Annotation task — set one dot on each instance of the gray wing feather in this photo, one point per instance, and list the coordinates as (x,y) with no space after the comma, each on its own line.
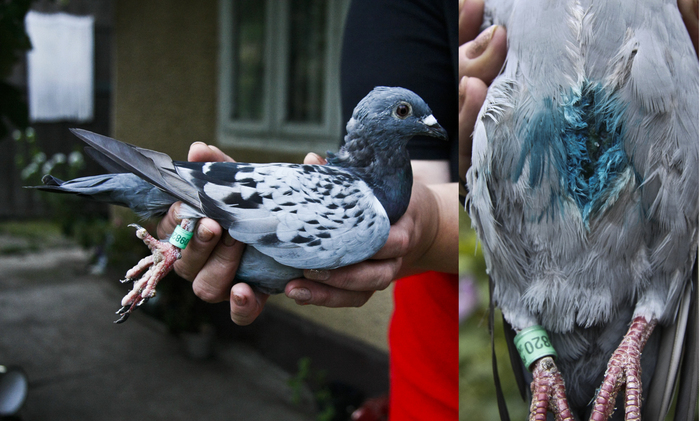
(673,343)
(154,167)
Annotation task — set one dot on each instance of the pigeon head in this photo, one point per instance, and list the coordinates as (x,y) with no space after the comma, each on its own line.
(375,145)
(391,115)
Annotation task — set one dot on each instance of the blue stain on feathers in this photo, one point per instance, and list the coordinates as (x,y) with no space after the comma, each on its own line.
(582,139)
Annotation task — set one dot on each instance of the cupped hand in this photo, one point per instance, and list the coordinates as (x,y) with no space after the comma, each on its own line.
(480,60)
(211,258)
(409,240)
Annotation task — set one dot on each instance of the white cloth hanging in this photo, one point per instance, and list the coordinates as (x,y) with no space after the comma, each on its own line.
(60,66)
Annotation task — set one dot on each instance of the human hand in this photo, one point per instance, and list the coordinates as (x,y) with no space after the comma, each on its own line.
(480,59)
(211,259)
(689,12)
(410,248)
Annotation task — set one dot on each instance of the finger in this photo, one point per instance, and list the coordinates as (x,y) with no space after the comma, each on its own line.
(471,14)
(689,11)
(314,159)
(246,304)
(213,282)
(167,224)
(484,56)
(201,152)
(308,292)
(370,275)
(195,255)
(472,93)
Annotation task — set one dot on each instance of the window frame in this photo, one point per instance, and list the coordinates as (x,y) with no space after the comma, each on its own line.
(272,132)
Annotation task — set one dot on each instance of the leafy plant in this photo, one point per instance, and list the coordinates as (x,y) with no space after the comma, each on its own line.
(13,43)
(316,380)
(32,162)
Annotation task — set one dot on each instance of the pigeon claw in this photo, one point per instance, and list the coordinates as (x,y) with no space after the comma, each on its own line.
(548,392)
(124,316)
(624,370)
(147,272)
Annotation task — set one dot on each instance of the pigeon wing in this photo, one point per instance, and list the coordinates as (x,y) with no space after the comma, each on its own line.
(303,216)
(154,167)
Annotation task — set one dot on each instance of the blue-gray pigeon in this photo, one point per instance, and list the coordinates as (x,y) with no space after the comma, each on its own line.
(584,193)
(291,216)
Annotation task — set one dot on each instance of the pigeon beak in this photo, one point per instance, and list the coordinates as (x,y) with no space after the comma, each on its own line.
(433,128)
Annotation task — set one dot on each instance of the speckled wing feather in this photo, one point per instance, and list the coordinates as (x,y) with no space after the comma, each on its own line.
(303,216)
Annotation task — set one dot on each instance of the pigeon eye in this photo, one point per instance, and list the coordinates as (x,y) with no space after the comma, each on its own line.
(402,110)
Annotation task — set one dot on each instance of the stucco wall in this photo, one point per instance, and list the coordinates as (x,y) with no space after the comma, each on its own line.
(165,73)
(165,96)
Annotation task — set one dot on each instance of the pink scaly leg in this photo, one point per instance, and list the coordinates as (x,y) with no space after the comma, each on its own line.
(624,370)
(154,268)
(548,392)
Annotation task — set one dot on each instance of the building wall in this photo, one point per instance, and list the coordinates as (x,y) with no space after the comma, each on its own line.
(165,74)
(165,96)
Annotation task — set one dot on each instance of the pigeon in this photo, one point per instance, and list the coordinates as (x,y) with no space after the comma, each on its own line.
(584,194)
(291,216)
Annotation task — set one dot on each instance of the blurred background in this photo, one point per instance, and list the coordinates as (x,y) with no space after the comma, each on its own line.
(476,383)
(258,78)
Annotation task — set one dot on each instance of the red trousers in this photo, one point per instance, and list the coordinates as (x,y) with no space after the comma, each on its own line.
(423,346)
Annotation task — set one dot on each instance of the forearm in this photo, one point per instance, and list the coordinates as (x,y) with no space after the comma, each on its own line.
(437,229)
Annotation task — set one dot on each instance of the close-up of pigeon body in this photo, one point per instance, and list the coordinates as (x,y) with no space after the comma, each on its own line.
(291,216)
(584,193)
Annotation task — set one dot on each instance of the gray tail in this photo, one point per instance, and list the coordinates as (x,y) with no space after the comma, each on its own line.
(155,167)
(128,190)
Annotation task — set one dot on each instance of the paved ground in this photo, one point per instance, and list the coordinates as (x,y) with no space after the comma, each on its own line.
(56,322)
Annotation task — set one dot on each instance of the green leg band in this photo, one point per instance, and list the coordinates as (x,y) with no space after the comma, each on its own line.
(180,237)
(533,343)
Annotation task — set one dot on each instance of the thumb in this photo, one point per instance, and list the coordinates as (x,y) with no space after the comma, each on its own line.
(314,159)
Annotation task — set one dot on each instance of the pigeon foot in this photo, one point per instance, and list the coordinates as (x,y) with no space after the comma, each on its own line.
(548,392)
(147,272)
(624,369)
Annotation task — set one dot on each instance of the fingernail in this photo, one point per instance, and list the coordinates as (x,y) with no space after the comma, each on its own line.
(315,157)
(204,234)
(239,300)
(300,294)
(228,240)
(479,44)
(176,208)
(198,142)
(317,275)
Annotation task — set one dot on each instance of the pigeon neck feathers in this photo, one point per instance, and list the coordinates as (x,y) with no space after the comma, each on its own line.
(386,171)
(375,145)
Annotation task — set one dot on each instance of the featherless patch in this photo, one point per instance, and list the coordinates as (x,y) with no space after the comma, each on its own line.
(581,139)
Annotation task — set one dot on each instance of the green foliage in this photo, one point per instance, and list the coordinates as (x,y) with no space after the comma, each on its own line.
(13,38)
(87,229)
(476,386)
(13,43)
(316,380)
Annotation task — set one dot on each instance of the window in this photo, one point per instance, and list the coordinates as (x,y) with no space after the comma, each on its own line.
(279,74)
